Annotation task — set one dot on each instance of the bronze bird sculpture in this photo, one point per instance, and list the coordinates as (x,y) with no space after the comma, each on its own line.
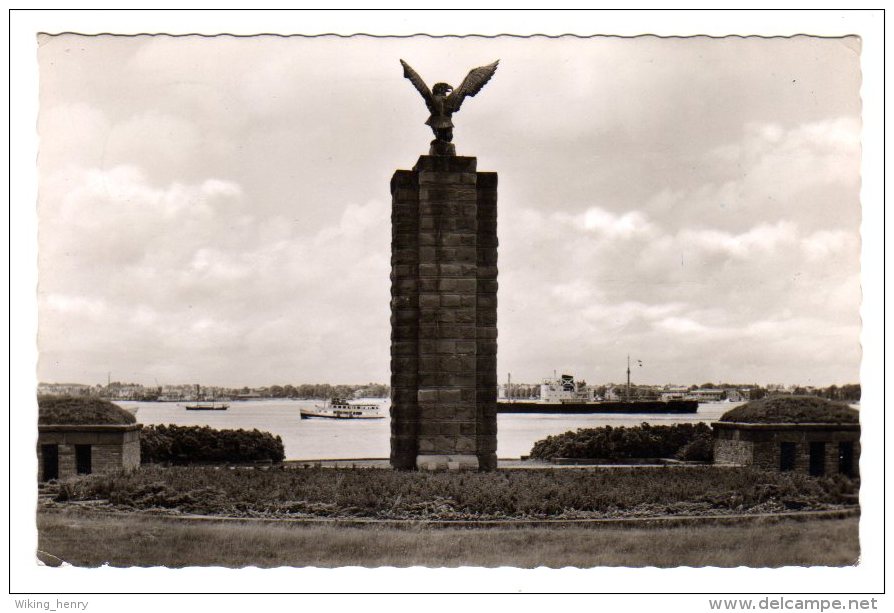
(443,101)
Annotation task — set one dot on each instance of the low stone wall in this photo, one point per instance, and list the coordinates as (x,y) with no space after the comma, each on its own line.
(729,451)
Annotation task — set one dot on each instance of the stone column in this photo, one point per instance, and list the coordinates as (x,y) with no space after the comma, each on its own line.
(443,315)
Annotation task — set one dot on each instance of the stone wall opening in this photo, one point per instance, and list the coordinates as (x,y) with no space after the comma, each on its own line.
(788,452)
(846,458)
(50,462)
(84,459)
(817,459)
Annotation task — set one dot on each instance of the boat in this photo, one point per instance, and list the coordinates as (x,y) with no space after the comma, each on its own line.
(561,396)
(207,406)
(645,407)
(339,408)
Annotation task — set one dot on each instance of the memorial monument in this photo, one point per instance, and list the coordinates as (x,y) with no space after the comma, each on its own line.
(444,297)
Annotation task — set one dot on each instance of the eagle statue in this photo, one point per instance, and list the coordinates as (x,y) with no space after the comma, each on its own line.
(443,101)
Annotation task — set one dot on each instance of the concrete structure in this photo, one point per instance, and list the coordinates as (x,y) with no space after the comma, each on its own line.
(78,436)
(444,315)
(805,435)
(68,450)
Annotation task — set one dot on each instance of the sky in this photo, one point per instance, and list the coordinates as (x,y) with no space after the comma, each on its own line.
(217,210)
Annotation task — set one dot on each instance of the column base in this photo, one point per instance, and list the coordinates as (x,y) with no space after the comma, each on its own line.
(487,461)
(447,462)
(442,148)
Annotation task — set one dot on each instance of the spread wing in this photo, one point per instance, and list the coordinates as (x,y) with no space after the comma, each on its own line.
(417,82)
(471,85)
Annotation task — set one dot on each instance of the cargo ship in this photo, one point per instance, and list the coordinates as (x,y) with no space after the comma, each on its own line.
(600,406)
(207,406)
(562,396)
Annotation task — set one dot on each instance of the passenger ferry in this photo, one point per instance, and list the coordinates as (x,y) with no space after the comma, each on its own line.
(339,408)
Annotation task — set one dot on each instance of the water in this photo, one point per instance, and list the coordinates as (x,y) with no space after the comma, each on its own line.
(337,439)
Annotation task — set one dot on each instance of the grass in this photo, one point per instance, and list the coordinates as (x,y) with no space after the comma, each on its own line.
(138,540)
(521,494)
(80,411)
(794,410)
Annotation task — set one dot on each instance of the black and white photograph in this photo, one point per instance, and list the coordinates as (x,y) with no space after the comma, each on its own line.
(317,301)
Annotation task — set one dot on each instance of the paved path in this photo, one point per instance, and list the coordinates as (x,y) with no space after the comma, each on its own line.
(607,522)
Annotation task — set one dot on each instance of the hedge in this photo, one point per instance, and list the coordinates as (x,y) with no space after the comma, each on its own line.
(203,445)
(685,441)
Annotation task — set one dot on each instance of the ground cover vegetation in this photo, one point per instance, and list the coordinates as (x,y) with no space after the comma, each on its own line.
(793,410)
(507,494)
(69,410)
(692,442)
(180,445)
(91,540)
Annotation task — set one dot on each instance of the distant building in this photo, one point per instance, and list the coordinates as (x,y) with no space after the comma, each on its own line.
(734,395)
(248,396)
(80,436)
(707,395)
(790,433)
(674,393)
(63,389)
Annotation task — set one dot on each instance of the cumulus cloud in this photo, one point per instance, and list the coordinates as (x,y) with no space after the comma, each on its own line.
(217,209)
(764,237)
(830,243)
(189,287)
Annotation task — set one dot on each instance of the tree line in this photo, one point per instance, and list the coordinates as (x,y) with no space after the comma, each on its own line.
(325,390)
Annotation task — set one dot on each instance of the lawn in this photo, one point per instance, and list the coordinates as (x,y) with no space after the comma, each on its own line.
(84,539)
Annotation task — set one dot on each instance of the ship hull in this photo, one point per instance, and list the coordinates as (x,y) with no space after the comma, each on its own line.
(578,408)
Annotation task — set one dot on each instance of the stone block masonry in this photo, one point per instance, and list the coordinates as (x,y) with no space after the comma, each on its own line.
(760,445)
(109,448)
(444,316)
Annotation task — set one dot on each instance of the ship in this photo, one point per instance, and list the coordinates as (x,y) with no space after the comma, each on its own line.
(202,405)
(339,408)
(207,406)
(561,395)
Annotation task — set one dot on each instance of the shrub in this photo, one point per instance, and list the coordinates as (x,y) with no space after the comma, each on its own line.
(369,492)
(699,449)
(643,441)
(204,445)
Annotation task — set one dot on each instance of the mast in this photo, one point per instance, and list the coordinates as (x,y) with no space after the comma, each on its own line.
(509,387)
(628,377)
